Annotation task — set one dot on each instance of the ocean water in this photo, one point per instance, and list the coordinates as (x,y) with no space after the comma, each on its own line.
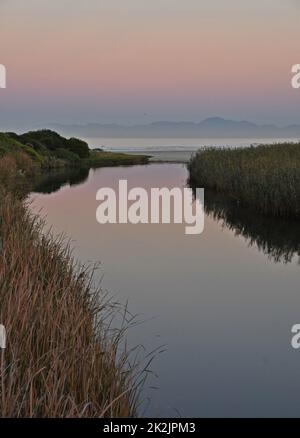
(174,149)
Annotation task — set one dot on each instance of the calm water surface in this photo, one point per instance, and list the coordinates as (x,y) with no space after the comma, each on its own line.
(222,303)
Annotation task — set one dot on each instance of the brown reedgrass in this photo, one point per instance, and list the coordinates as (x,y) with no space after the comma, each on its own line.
(265,178)
(8,171)
(17,171)
(62,359)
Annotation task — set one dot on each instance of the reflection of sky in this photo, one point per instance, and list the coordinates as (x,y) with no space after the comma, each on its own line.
(133,61)
(223,309)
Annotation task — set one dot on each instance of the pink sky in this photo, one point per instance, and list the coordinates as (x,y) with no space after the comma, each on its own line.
(129,61)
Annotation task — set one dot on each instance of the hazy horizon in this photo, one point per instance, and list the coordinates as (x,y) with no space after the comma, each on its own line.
(131,62)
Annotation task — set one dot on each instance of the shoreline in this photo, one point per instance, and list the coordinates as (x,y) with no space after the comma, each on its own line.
(61,360)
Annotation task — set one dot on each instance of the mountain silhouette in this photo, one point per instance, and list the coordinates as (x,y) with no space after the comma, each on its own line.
(212,127)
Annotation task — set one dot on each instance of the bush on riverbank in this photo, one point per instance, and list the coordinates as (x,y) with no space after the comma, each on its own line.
(52,151)
(266,177)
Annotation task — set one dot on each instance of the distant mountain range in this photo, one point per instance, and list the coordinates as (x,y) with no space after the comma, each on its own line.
(213,127)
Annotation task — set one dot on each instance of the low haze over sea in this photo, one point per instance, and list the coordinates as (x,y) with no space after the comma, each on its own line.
(174,149)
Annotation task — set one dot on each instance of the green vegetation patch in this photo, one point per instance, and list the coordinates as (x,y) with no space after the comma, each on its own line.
(53,151)
(98,159)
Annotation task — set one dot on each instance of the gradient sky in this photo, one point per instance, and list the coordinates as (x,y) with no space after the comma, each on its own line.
(136,61)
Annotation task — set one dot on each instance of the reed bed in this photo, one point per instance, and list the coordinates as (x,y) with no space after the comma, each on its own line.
(62,357)
(265,177)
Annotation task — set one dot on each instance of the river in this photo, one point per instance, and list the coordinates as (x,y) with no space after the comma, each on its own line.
(220,304)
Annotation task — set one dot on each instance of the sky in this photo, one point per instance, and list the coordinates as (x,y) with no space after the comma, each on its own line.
(138,61)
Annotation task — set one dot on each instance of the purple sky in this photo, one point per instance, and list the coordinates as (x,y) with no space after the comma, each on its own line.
(130,61)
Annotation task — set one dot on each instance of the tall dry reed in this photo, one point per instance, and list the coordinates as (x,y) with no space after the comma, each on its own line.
(266,177)
(61,360)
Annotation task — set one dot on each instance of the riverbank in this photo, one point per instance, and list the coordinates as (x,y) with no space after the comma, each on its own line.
(47,150)
(103,159)
(265,178)
(62,359)
(28,158)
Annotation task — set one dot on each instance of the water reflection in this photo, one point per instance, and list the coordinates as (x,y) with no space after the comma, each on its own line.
(279,239)
(53,181)
(223,310)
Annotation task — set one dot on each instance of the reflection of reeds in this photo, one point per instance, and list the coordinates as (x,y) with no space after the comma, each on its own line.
(53,181)
(266,178)
(62,359)
(278,238)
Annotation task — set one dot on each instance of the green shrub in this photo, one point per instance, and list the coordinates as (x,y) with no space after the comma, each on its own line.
(78,147)
(43,138)
(65,154)
(32,153)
